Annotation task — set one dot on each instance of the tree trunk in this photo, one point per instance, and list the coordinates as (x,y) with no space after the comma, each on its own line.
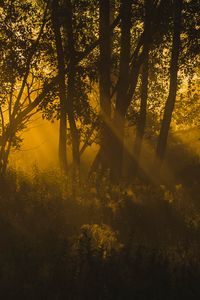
(62,86)
(6,142)
(104,80)
(71,55)
(122,92)
(144,94)
(169,107)
(5,158)
(2,154)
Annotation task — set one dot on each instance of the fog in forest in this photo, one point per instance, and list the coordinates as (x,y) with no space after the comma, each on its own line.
(100,149)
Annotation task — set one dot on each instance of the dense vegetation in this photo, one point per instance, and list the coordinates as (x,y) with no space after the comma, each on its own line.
(120,76)
(136,243)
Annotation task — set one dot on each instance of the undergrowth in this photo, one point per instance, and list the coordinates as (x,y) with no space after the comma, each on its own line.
(103,242)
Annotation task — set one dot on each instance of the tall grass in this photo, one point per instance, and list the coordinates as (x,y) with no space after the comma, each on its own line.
(105,242)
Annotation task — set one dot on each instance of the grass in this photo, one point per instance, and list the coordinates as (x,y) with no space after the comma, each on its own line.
(105,242)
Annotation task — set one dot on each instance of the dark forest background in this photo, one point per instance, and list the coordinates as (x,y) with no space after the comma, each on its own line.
(122,77)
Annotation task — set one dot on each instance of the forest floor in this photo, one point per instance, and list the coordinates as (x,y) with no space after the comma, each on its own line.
(99,241)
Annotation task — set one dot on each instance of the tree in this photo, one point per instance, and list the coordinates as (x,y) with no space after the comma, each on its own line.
(21,53)
(130,66)
(71,86)
(144,90)
(162,140)
(122,90)
(30,54)
(105,80)
(55,9)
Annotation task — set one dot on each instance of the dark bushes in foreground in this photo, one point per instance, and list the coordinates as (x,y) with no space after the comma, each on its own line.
(112,243)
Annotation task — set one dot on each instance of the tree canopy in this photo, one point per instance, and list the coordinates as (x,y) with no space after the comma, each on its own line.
(57,55)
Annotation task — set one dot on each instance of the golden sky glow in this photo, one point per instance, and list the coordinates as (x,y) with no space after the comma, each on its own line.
(40,144)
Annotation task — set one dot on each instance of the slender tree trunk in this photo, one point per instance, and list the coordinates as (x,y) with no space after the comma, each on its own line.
(2,154)
(104,80)
(71,55)
(63,140)
(6,142)
(5,157)
(122,93)
(142,118)
(169,107)
(62,86)
(144,94)
(106,19)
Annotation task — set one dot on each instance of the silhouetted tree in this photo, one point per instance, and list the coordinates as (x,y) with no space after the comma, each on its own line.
(105,80)
(144,89)
(122,90)
(71,85)
(55,9)
(162,140)
(21,54)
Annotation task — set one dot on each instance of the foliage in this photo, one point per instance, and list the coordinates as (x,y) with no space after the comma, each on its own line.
(53,246)
(95,239)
